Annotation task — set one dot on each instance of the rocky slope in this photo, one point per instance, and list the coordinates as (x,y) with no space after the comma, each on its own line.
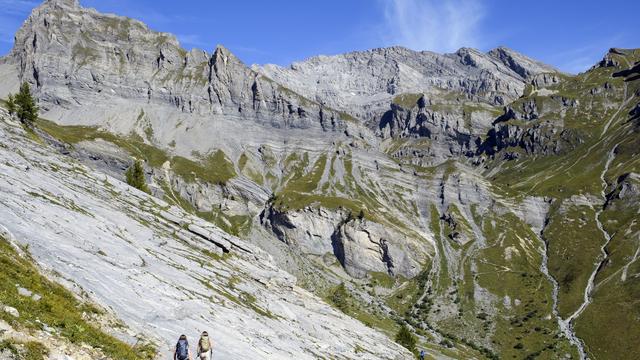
(484,199)
(162,271)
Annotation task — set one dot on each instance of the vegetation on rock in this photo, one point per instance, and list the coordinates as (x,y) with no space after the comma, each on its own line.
(23,105)
(135,176)
(405,338)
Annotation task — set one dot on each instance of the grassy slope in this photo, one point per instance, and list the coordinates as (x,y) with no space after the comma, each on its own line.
(215,168)
(58,308)
(616,307)
(609,326)
(518,322)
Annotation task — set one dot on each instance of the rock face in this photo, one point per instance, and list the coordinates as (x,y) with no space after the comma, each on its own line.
(360,246)
(82,63)
(363,247)
(152,264)
(525,67)
(125,59)
(363,83)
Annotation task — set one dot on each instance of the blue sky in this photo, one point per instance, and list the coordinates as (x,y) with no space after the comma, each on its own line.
(571,35)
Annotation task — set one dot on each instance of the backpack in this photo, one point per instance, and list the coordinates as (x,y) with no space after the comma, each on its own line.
(204,344)
(182,350)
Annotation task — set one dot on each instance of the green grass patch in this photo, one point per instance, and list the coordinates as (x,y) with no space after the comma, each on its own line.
(31,350)
(247,169)
(215,168)
(407,101)
(342,298)
(614,305)
(509,267)
(132,143)
(382,279)
(574,245)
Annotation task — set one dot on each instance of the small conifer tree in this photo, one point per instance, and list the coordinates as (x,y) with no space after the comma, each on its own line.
(405,338)
(25,106)
(135,176)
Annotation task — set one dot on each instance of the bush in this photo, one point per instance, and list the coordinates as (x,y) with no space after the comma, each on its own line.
(135,176)
(340,297)
(406,339)
(11,105)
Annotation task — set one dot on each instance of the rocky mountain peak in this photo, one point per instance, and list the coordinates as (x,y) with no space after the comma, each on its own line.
(223,56)
(519,63)
(100,54)
(66,3)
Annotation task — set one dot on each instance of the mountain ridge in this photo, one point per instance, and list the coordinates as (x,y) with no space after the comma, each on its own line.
(458,194)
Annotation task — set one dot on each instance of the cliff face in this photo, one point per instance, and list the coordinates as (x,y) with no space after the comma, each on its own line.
(81,59)
(467,195)
(363,83)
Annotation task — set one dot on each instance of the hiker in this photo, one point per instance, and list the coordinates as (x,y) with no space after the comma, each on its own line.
(182,349)
(422,354)
(205,350)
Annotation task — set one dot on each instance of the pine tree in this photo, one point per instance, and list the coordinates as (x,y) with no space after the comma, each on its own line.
(135,176)
(25,106)
(406,339)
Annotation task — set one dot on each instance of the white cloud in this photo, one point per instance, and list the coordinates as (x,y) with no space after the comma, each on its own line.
(436,25)
(192,40)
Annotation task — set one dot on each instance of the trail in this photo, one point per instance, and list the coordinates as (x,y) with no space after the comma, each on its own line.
(590,284)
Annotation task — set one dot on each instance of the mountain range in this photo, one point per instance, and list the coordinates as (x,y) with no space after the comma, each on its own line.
(486,201)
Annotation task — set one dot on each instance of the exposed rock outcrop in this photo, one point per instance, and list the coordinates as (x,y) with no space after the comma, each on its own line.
(363,83)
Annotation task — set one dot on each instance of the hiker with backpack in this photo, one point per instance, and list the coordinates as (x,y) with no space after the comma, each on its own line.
(205,350)
(182,349)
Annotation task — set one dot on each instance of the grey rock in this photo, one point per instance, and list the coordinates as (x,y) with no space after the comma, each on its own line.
(115,57)
(11,311)
(525,67)
(364,82)
(179,280)
(626,190)
(362,247)
(225,245)
(24,292)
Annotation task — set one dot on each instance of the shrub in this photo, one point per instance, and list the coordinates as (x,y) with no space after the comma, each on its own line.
(405,338)
(340,297)
(11,105)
